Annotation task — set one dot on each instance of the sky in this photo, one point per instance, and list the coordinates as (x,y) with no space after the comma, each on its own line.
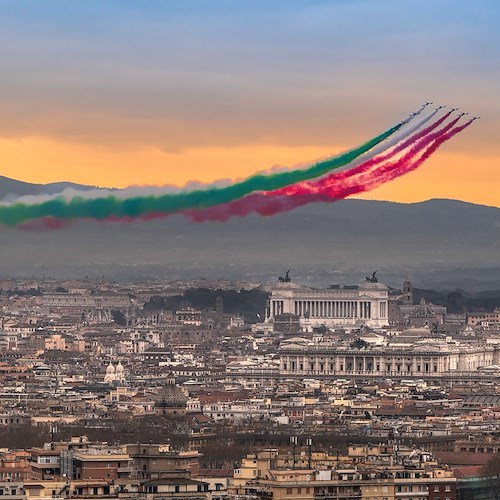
(118,92)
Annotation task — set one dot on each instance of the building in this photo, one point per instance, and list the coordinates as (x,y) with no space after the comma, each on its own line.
(380,474)
(337,306)
(153,461)
(434,358)
(88,302)
(481,318)
(45,463)
(423,314)
(177,485)
(96,462)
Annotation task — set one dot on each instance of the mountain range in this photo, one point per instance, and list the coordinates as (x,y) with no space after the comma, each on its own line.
(12,188)
(443,243)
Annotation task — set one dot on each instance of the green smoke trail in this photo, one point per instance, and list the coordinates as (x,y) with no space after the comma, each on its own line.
(110,206)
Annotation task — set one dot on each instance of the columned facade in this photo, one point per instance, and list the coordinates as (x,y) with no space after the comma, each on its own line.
(425,361)
(338,306)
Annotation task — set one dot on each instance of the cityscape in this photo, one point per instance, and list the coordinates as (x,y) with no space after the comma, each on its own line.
(234,390)
(250,250)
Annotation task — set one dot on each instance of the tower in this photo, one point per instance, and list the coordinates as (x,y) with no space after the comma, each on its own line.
(407,292)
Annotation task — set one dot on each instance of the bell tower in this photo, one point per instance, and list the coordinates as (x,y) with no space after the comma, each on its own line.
(407,292)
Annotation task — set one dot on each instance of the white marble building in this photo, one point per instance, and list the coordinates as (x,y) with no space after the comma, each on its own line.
(332,307)
(436,358)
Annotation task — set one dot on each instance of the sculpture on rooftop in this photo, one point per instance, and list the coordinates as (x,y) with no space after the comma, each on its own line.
(286,278)
(373,278)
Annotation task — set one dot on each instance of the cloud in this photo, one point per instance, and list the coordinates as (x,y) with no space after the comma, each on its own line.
(287,73)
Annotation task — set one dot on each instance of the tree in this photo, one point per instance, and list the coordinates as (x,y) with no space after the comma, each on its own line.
(491,471)
(359,344)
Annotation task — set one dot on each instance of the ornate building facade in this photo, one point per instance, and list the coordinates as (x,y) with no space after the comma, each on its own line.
(336,306)
(303,358)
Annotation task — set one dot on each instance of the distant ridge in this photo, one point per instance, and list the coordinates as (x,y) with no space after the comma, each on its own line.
(436,242)
(12,188)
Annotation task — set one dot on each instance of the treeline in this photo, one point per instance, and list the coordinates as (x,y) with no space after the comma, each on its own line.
(460,301)
(248,303)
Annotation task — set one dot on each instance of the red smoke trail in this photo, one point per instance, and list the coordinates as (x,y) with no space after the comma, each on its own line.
(240,207)
(45,223)
(338,176)
(372,181)
(336,186)
(391,171)
(270,203)
(418,145)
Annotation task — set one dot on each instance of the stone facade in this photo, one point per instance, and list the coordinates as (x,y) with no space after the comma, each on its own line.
(336,306)
(433,359)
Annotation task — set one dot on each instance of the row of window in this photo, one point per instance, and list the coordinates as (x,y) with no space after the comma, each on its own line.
(349,368)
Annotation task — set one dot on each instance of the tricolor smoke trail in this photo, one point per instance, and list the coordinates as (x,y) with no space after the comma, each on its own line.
(417,143)
(356,171)
(364,176)
(111,206)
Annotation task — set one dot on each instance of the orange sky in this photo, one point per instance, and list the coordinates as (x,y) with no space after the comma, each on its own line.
(444,175)
(126,92)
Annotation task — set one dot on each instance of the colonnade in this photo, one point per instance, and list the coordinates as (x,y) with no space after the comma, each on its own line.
(325,308)
(384,364)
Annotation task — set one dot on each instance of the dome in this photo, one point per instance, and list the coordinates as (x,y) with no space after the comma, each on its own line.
(99,315)
(423,310)
(119,368)
(110,370)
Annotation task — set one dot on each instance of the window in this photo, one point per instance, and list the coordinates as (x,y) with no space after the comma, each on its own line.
(289,491)
(447,488)
(436,488)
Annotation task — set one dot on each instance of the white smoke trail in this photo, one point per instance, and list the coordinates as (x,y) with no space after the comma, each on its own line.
(136,191)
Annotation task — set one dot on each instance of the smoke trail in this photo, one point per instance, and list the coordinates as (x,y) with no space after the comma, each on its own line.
(395,139)
(110,206)
(417,140)
(347,184)
(392,171)
(358,186)
(262,202)
(416,146)
(247,204)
